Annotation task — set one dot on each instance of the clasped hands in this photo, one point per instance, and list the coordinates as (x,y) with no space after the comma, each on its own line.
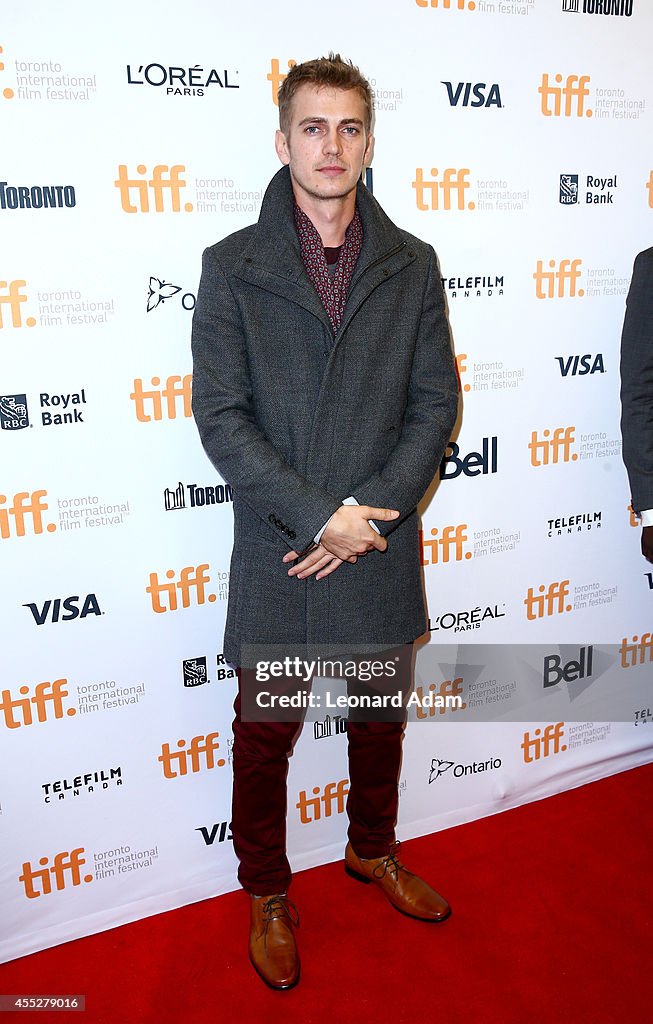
(347,537)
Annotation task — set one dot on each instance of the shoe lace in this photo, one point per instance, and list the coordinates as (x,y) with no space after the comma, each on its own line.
(390,863)
(276,907)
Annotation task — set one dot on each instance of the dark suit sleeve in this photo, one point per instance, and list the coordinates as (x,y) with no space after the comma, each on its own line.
(293,508)
(429,417)
(637,383)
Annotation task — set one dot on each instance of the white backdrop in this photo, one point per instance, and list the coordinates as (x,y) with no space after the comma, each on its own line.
(133,138)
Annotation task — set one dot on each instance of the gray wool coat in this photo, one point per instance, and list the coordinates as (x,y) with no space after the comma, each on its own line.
(637,383)
(296,420)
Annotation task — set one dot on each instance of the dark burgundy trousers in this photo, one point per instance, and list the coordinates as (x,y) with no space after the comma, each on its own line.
(260,766)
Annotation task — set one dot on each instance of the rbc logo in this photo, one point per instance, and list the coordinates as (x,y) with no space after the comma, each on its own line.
(473,464)
(13,412)
(574,93)
(568,189)
(164,179)
(469,95)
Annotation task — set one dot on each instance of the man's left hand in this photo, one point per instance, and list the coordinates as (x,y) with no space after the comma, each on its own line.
(318,560)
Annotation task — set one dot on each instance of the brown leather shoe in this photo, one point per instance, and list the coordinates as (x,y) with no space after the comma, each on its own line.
(272,947)
(406,891)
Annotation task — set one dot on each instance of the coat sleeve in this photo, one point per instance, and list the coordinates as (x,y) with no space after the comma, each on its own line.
(429,418)
(293,507)
(637,383)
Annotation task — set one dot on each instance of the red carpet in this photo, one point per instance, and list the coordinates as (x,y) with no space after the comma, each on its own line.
(553,919)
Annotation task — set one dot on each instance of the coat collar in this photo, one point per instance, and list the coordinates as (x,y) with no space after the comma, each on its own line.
(272,260)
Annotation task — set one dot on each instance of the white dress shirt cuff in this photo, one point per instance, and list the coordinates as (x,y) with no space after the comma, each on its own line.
(646,517)
(348,501)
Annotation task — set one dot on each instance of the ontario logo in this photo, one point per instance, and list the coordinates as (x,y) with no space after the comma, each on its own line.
(440,767)
(159,291)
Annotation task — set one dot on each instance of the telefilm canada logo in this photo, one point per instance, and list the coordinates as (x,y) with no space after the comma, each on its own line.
(182,81)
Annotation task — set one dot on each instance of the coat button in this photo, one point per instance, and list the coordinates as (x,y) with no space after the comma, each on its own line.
(385,273)
(248,259)
(292,534)
(271,518)
(410,252)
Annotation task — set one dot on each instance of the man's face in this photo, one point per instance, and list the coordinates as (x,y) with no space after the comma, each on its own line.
(326,145)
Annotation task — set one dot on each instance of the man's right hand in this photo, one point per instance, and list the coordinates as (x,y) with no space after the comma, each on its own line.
(647,542)
(349,533)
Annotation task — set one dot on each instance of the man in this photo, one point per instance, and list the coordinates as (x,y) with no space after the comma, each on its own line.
(637,394)
(325,392)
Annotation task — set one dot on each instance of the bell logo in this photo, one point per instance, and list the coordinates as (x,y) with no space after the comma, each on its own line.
(549,449)
(309,807)
(566,276)
(543,744)
(472,464)
(191,578)
(438,549)
(164,179)
(26,507)
(45,694)
(636,651)
(65,870)
(200,754)
(439,192)
(649,188)
(556,671)
(548,601)
(175,387)
(448,5)
(276,77)
(574,91)
(13,298)
(7,93)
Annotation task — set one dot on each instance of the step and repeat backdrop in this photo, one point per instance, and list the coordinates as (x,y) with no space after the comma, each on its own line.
(513,135)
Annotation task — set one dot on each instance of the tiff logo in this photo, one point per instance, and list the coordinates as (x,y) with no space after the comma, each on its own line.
(439,548)
(649,188)
(276,77)
(566,276)
(13,298)
(549,449)
(543,745)
(65,870)
(175,387)
(449,5)
(436,195)
(574,92)
(45,694)
(164,180)
(309,807)
(191,579)
(200,754)
(636,651)
(27,507)
(548,601)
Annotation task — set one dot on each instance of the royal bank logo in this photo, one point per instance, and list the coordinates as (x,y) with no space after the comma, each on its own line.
(195,671)
(611,8)
(13,412)
(442,190)
(440,767)
(63,873)
(216,494)
(161,193)
(564,100)
(13,295)
(568,189)
(181,81)
(473,94)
